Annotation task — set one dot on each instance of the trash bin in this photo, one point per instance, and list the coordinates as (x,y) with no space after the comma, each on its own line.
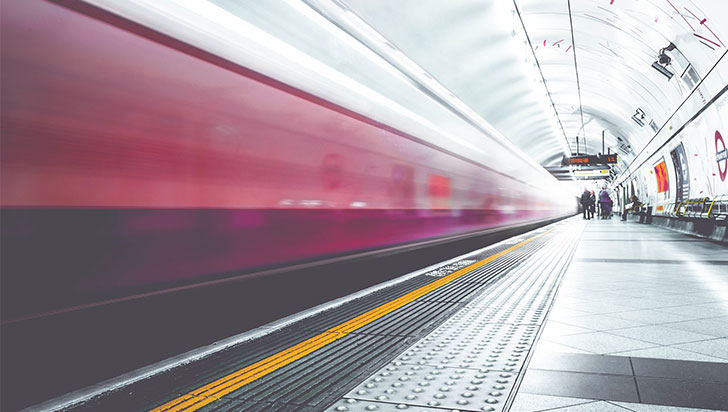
(648,219)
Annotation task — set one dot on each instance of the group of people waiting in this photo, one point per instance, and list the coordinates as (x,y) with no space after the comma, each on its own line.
(589,203)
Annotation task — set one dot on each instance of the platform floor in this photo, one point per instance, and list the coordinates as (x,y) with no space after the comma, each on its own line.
(597,315)
(640,319)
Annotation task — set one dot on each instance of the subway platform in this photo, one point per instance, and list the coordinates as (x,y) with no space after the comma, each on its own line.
(598,315)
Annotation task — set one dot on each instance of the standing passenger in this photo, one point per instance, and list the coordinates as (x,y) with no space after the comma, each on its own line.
(585,203)
(609,204)
(603,196)
(599,207)
(592,201)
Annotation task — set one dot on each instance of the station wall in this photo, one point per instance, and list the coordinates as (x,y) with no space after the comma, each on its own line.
(695,161)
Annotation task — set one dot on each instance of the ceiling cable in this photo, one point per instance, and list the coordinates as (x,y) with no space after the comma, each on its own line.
(518,12)
(576,69)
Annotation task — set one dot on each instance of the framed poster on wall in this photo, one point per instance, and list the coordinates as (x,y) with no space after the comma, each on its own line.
(663,187)
(682,174)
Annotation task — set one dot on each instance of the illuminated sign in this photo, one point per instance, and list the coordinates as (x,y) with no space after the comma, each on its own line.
(591,173)
(591,160)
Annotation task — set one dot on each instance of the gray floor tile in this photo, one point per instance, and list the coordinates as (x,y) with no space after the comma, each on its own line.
(689,394)
(642,293)
(621,250)
(678,369)
(641,303)
(669,352)
(710,296)
(574,362)
(709,310)
(601,307)
(598,406)
(660,334)
(600,322)
(580,385)
(590,291)
(711,327)
(528,402)
(713,347)
(563,313)
(682,299)
(601,342)
(544,345)
(554,328)
(641,407)
(707,286)
(651,317)
(570,302)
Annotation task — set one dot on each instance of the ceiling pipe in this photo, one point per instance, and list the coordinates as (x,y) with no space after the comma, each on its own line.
(576,70)
(543,78)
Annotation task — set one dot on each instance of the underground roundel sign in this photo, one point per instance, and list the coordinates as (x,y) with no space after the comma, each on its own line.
(721,155)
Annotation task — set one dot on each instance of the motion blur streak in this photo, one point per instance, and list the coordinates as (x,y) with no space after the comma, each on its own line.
(128,164)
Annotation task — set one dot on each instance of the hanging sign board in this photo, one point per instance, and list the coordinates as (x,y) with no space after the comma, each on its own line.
(590,160)
(591,173)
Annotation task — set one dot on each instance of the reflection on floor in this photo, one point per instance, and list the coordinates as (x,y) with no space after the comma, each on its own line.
(640,321)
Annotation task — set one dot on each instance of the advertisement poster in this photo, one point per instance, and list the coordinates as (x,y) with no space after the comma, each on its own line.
(661,176)
(705,146)
(721,156)
(717,139)
(682,175)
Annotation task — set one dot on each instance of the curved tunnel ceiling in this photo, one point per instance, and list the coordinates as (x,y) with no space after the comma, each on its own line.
(595,57)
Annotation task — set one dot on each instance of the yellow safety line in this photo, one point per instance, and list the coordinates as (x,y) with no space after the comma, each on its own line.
(215,390)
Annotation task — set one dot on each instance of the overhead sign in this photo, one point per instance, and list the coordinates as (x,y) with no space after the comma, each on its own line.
(591,173)
(591,160)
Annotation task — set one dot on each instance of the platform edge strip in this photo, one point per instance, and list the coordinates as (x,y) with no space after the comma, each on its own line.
(215,390)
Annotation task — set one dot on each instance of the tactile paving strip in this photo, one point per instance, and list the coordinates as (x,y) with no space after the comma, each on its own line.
(354,405)
(433,386)
(491,347)
(471,362)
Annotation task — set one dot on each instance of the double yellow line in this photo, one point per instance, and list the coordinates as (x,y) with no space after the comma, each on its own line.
(215,390)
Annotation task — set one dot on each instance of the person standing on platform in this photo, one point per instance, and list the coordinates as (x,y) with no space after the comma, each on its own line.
(585,203)
(592,201)
(602,201)
(608,205)
(599,207)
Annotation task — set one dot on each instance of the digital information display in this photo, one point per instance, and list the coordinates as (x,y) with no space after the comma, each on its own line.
(592,160)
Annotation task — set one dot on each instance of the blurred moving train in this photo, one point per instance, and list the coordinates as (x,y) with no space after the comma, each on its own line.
(142,148)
